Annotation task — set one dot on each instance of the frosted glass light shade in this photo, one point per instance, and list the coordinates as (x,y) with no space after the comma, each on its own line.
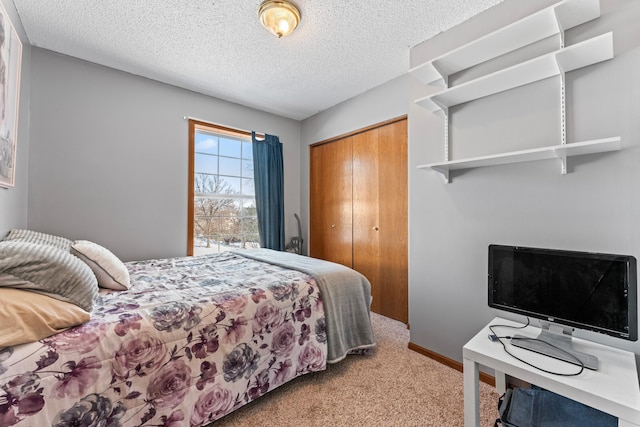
(279,17)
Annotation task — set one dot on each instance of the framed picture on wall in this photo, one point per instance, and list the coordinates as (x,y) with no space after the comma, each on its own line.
(10,62)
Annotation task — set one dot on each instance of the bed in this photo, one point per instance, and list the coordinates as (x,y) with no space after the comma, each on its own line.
(190,340)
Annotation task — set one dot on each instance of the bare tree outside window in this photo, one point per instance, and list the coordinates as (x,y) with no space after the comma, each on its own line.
(209,207)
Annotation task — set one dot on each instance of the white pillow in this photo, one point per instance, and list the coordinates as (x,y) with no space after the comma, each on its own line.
(110,271)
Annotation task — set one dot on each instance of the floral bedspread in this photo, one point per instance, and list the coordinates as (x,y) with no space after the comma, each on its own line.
(192,340)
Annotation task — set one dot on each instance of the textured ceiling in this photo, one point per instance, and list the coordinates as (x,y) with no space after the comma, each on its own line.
(218,47)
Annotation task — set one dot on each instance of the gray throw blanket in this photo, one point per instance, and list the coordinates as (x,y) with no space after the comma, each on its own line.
(346,296)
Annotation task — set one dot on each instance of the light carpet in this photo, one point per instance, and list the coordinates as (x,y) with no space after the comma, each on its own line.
(393,387)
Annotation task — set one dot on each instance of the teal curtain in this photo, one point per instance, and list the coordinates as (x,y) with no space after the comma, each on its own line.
(269,184)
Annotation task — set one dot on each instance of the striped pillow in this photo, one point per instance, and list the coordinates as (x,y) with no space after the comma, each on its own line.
(47,270)
(30,236)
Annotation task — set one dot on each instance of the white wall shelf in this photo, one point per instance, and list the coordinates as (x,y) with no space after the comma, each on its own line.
(588,52)
(561,152)
(538,26)
(553,20)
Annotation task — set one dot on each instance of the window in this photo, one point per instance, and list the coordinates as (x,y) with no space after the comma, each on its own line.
(222,204)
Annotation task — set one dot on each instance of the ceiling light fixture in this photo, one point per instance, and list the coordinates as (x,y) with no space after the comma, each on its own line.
(279,16)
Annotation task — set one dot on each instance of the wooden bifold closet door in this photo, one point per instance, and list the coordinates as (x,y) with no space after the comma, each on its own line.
(358,210)
(330,203)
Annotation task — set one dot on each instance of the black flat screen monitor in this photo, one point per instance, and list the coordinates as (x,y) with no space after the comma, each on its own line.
(592,291)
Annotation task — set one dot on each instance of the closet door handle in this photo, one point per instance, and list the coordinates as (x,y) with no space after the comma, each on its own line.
(333,226)
(375,229)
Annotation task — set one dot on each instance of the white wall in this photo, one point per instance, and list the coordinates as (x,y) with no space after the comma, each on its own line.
(13,201)
(593,208)
(109,155)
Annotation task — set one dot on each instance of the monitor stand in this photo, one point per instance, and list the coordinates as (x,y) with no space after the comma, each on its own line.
(560,338)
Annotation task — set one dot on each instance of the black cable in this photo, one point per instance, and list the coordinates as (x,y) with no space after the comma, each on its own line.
(500,338)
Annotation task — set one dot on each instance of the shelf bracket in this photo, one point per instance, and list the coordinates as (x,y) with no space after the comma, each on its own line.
(561,28)
(443,76)
(444,172)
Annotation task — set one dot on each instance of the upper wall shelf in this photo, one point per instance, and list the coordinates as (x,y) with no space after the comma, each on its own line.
(579,55)
(545,23)
(548,22)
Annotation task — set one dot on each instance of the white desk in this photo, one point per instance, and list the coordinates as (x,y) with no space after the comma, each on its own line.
(613,388)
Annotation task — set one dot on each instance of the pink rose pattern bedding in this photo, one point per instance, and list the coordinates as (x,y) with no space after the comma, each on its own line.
(192,340)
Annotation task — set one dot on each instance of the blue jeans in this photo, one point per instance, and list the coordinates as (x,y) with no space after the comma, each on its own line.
(537,407)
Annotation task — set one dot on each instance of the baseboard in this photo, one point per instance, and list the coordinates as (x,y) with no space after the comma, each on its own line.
(485,378)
